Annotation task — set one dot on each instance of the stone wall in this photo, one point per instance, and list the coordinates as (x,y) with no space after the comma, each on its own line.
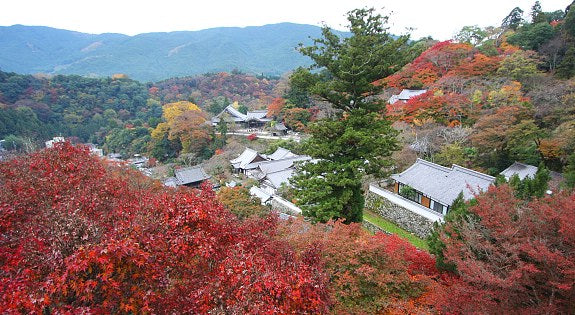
(372,227)
(407,220)
(284,206)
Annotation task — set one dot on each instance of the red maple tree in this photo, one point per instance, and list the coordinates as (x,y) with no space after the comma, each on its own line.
(513,256)
(77,235)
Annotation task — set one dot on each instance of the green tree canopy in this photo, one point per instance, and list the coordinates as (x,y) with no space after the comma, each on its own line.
(359,140)
(513,19)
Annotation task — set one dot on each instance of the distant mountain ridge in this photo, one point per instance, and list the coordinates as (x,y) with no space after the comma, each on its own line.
(268,49)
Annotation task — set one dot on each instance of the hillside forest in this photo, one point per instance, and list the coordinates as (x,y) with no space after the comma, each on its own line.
(79,234)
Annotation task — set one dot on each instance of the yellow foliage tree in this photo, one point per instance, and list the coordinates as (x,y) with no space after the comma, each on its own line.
(172,110)
(184,121)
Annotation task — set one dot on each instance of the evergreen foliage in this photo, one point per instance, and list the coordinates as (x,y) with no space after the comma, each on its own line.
(359,141)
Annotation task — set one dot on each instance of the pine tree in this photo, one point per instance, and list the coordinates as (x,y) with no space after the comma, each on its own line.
(359,140)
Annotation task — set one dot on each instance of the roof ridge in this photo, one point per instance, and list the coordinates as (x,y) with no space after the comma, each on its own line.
(284,159)
(434,165)
(524,164)
(285,169)
(472,172)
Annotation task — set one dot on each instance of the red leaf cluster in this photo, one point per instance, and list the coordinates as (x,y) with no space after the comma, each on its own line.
(515,257)
(431,65)
(369,274)
(79,236)
(443,108)
(252,137)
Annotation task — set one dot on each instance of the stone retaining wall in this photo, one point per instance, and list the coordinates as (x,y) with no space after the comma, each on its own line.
(404,218)
(372,227)
(284,206)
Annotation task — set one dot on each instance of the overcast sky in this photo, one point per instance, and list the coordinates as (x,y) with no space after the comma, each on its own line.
(440,19)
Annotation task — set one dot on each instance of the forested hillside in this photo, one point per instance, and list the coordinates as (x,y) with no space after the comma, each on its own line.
(268,50)
(82,234)
(504,101)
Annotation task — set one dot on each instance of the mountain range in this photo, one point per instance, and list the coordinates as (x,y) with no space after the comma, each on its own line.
(268,50)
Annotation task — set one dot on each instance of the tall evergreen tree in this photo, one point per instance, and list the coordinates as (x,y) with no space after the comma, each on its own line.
(537,15)
(359,140)
(513,19)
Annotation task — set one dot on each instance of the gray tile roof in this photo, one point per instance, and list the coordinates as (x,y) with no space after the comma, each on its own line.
(171,182)
(522,170)
(237,116)
(444,184)
(234,113)
(276,179)
(247,157)
(259,115)
(405,95)
(281,153)
(260,193)
(526,170)
(190,175)
(277,165)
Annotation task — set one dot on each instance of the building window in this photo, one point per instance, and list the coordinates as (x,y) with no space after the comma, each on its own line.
(436,206)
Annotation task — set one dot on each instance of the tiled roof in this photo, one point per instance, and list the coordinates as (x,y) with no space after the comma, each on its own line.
(277,165)
(190,175)
(444,184)
(522,170)
(405,95)
(245,158)
(260,193)
(257,115)
(526,170)
(276,179)
(281,153)
(237,116)
(171,182)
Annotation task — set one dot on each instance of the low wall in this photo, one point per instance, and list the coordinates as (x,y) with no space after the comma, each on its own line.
(281,205)
(372,227)
(404,218)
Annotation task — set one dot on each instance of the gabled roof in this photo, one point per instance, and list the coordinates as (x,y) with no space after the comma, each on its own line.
(405,95)
(444,184)
(276,179)
(526,170)
(522,170)
(259,115)
(247,157)
(260,193)
(237,116)
(281,153)
(393,99)
(277,165)
(190,175)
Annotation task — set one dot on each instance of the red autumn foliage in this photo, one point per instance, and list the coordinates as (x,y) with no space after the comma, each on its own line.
(479,65)
(431,65)
(514,257)
(443,108)
(369,274)
(252,137)
(79,236)
(276,107)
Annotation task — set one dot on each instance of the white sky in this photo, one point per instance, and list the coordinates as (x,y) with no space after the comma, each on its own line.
(439,18)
